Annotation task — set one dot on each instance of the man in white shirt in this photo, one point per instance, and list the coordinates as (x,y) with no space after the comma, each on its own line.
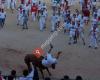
(94,36)
(72,29)
(80,29)
(2,17)
(49,60)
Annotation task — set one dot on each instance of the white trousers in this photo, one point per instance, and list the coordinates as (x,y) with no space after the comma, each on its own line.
(93,41)
(53,26)
(42,23)
(33,16)
(8,3)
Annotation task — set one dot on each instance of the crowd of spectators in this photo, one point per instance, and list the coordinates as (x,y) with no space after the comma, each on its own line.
(33,75)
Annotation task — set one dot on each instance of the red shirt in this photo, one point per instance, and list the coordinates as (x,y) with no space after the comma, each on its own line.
(98,18)
(86,13)
(34,9)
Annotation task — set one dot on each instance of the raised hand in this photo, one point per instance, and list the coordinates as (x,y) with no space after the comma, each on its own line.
(51,46)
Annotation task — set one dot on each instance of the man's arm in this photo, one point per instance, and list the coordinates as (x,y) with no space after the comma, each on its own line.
(51,47)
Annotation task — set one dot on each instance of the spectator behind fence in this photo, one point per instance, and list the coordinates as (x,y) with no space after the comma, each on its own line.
(78,78)
(12,76)
(27,75)
(66,77)
(1,77)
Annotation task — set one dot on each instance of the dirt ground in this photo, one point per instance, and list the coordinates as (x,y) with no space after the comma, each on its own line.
(76,59)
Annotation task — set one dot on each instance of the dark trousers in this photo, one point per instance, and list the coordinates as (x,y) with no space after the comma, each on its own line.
(2,22)
(25,25)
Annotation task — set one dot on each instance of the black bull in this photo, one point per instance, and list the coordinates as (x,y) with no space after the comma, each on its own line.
(37,62)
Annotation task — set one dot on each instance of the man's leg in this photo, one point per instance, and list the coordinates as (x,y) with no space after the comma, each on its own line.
(58,55)
(23,24)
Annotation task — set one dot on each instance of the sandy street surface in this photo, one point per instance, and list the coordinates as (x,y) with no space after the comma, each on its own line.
(75,60)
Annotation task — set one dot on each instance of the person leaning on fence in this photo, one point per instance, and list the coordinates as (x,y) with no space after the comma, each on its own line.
(49,60)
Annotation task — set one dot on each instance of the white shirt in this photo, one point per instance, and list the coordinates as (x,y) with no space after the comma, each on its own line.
(79,17)
(39,6)
(94,33)
(53,19)
(13,3)
(81,1)
(2,6)
(49,61)
(62,1)
(44,6)
(54,3)
(34,1)
(80,28)
(72,29)
(94,20)
(45,13)
(0,2)
(58,18)
(26,8)
(29,77)
(2,15)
